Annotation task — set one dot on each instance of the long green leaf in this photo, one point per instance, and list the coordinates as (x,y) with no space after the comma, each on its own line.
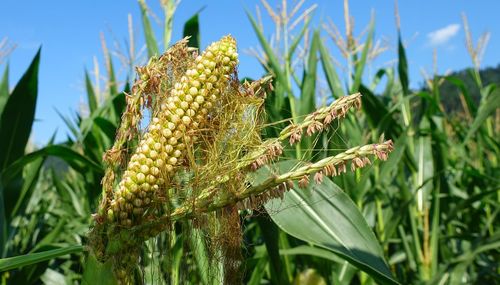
(360,64)
(151,43)
(270,235)
(403,66)
(17,118)
(96,272)
(192,30)
(331,74)
(325,216)
(4,89)
(308,87)
(273,60)
(91,97)
(32,258)
(73,158)
(487,106)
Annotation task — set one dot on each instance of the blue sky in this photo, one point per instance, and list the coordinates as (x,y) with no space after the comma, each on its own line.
(69,34)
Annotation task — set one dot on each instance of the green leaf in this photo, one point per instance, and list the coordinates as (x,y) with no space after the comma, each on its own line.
(270,235)
(273,60)
(107,127)
(17,118)
(259,271)
(91,98)
(151,43)
(298,38)
(192,30)
(96,272)
(487,106)
(20,196)
(313,251)
(73,158)
(33,258)
(403,66)
(331,74)
(308,86)
(460,84)
(361,63)
(325,216)
(4,89)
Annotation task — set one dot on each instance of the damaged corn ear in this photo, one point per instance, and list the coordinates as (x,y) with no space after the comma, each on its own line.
(171,130)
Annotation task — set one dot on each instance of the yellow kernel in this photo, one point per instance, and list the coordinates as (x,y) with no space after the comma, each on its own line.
(144,148)
(172,141)
(172,106)
(193,91)
(133,188)
(172,161)
(178,134)
(169,148)
(188,98)
(145,186)
(179,112)
(169,167)
(186,120)
(157,146)
(177,153)
(151,179)
(140,177)
(174,118)
(190,112)
(195,105)
(166,133)
(144,169)
(149,161)
(159,162)
(153,154)
(195,83)
(213,79)
(226,59)
(155,171)
(171,126)
(200,99)
(185,104)
(182,128)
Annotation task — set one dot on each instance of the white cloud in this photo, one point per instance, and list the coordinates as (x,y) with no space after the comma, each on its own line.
(443,35)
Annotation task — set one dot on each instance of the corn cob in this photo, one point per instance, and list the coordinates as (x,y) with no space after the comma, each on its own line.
(163,146)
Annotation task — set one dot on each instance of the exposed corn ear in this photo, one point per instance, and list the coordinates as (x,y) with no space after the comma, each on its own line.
(172,129)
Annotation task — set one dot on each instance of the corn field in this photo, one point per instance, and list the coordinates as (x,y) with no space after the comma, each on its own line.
(186,171)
